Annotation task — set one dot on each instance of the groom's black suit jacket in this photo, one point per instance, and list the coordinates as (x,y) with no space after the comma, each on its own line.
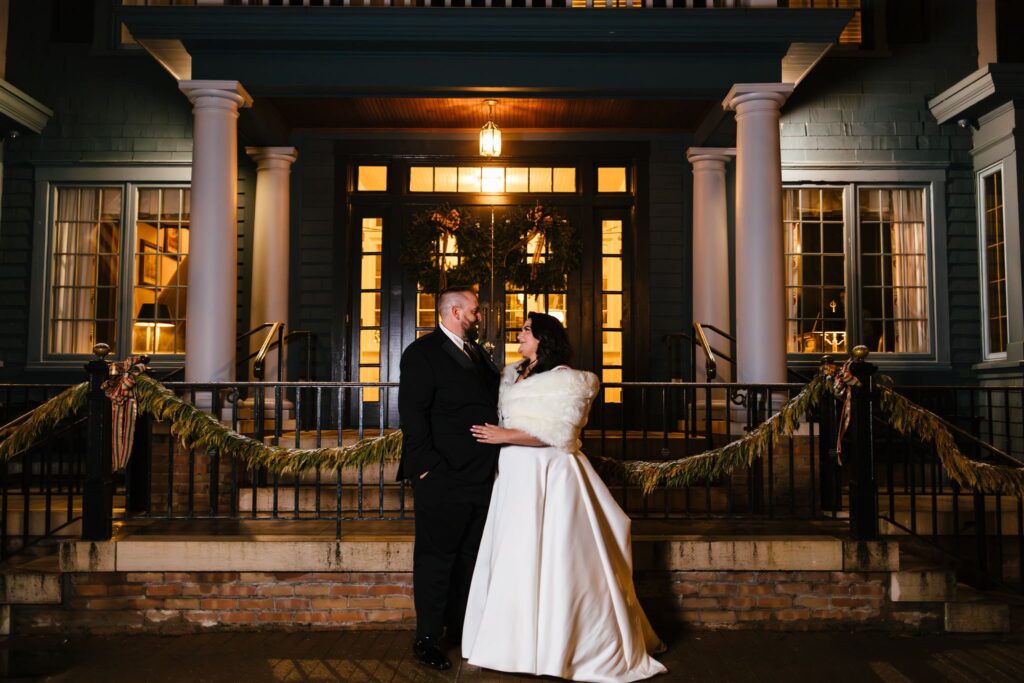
(441,394)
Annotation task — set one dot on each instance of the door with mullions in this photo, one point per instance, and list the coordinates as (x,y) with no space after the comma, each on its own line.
(389,310)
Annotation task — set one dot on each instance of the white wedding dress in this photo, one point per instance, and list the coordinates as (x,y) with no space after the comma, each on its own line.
(552,593)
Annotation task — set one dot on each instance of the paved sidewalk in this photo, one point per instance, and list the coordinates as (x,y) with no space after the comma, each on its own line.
(383,656)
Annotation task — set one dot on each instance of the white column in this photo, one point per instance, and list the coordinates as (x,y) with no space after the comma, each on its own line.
(213,254)
(760,285)
(711,247)
(270,243)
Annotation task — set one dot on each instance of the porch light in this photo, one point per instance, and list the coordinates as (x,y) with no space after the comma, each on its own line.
(490,134)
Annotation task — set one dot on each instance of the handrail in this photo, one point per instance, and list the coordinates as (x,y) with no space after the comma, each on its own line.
(276,330)
(710,364)
(720,331)
(258,367)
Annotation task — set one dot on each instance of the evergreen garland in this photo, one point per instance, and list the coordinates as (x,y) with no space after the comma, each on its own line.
(194,428)
(907,417)
(197,429)
(710,465)
(23,433)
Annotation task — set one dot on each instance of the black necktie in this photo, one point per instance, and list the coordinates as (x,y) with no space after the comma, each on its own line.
(474,356)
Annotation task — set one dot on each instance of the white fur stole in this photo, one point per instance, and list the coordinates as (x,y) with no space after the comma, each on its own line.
(552,406)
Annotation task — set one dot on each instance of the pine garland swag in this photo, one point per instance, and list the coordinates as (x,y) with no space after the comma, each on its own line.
(710,465)
(908,418)
(20,435)
(197,429)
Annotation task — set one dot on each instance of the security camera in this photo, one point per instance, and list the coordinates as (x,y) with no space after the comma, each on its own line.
(966,122)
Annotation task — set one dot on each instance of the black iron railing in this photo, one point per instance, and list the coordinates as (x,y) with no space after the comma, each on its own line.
(41,488)
(873,475)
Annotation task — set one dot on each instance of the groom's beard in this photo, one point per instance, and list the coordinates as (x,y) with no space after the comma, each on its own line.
(473,333)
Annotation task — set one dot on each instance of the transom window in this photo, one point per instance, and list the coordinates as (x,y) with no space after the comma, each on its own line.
(492,179)
(881,234)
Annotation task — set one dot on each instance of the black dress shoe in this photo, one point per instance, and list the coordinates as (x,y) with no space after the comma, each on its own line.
(428,653)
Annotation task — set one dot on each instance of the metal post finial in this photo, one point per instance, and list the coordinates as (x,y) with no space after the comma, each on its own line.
(860,352)
(102,350)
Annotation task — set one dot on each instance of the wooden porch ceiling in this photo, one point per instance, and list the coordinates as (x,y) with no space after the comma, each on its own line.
(471,113)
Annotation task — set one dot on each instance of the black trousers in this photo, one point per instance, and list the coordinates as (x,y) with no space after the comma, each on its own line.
(449,525)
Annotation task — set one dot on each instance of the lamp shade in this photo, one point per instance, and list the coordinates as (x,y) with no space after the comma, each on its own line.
(154,315)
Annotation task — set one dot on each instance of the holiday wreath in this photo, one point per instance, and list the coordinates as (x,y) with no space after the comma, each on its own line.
(532,249)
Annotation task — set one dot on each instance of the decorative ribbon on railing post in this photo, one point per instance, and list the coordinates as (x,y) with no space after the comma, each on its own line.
(841,382)
(120,389)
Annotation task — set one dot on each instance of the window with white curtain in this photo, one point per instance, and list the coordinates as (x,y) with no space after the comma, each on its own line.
(117,269)
(85,268)
(858,269)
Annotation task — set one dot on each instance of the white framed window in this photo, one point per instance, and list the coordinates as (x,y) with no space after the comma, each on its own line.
(110,264)
(992,245)
(860,268)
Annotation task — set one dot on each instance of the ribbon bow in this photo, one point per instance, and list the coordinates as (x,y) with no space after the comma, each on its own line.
(120,389)
(841,383)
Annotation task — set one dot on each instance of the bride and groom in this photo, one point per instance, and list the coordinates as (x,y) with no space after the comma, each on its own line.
(531,570)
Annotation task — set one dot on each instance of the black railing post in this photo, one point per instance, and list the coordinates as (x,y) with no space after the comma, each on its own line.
(863,487)
(828,472)
(98,494)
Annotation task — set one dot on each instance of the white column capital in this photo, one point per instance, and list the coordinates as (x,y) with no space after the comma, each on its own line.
(702,157)
(273,157)
(749,96)
(216,94)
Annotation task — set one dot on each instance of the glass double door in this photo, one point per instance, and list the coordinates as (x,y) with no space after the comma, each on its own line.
(391,310)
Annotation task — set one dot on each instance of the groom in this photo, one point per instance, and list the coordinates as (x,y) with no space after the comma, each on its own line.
(447,384)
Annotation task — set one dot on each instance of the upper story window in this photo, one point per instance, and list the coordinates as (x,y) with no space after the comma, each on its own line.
(993,262)
(116,269)
(879,234)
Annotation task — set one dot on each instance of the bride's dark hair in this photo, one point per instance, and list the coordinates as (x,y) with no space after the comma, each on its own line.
(553,347)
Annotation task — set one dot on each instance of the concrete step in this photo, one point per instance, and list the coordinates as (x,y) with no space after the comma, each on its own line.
(922,585)
(938,516)
(37,521)
(23,587)
(248,426)
(976,612)
(631,499)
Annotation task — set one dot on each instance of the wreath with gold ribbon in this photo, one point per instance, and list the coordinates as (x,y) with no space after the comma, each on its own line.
(548,251)
(532,249)
(432,236)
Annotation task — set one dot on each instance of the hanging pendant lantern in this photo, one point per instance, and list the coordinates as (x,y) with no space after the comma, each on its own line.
(490,134)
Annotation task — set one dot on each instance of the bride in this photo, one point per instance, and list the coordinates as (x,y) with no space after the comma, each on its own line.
(552,592)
